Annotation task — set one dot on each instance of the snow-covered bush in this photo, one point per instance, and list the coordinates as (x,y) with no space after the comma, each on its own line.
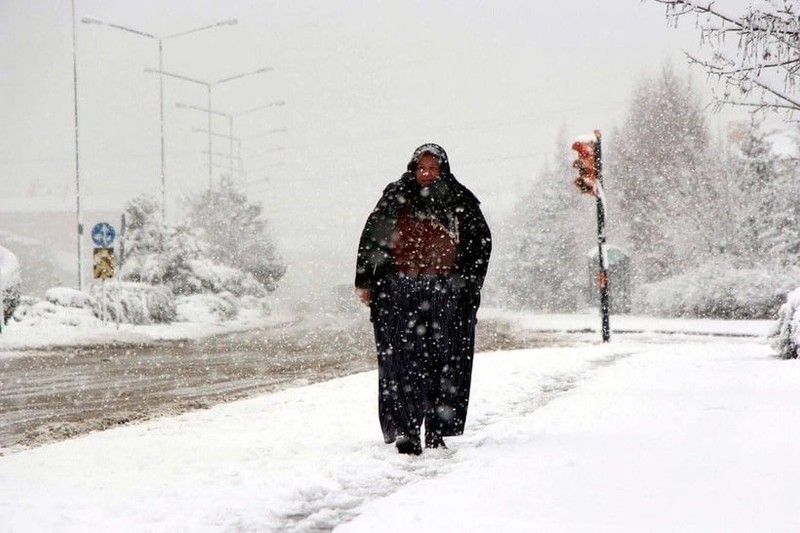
(9,281)
(254,304)
(134,303)
(785,333)
(718,290)
(206,307)
(67,297)
(217,278)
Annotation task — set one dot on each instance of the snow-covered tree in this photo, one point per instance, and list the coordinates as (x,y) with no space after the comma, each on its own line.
(553,226)
(752,191)
(666,193)
(756,54)
(158,254)
(236,233)
(779,225)
(769,233)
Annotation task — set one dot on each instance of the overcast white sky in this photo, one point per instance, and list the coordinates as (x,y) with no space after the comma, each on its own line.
(365,83)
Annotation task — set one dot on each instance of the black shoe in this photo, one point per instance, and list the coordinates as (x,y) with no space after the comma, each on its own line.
(389,438)
(435,441)
(408,445)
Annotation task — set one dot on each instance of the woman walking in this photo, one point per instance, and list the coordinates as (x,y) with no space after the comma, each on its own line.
(422,259)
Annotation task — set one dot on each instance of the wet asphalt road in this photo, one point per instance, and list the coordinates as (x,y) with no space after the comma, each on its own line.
(54,395)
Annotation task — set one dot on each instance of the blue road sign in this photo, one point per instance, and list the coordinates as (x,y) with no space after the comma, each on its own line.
(103,234)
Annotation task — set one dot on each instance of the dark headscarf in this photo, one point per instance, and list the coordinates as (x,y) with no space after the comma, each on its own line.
(436,199)
(436,151)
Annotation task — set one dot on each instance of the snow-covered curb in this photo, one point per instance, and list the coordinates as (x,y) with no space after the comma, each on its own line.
(92,331)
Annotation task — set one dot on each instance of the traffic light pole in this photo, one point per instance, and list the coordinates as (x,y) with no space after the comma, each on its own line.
(590,181)
(602,277)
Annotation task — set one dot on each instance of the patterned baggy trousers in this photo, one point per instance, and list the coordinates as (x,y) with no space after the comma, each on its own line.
(425,337)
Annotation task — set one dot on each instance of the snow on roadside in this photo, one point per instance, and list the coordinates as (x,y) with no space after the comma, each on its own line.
(295,460)
(70,326)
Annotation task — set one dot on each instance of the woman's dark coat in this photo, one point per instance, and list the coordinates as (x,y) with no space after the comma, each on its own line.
(459,210)
(374,262)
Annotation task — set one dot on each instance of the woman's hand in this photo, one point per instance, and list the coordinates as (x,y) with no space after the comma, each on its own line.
(363,295)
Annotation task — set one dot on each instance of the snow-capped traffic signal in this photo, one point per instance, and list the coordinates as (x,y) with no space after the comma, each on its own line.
(590,181)
(586,165)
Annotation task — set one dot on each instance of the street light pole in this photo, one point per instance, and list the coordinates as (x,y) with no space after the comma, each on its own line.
(230,117)
(161,128)
(209,85)
(161,39)
(77,158)
(210,156)
(263,134)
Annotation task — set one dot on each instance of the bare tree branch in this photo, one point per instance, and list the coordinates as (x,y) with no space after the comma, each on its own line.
(768,49)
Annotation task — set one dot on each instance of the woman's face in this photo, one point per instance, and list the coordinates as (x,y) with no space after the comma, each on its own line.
(427,170)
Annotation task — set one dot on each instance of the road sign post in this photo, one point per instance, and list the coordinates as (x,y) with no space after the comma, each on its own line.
(103,235)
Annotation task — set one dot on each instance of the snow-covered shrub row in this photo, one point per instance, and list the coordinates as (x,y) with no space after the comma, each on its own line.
(126,302)
(785,333)
(718,290)
(68,297)
(9,281)
(61,305)
(133,303)
(49,313)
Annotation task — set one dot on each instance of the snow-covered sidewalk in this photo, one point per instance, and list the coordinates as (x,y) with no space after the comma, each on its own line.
(697,438)
(618,437)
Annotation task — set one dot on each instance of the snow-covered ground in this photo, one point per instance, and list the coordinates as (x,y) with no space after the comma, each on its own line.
(695,434)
